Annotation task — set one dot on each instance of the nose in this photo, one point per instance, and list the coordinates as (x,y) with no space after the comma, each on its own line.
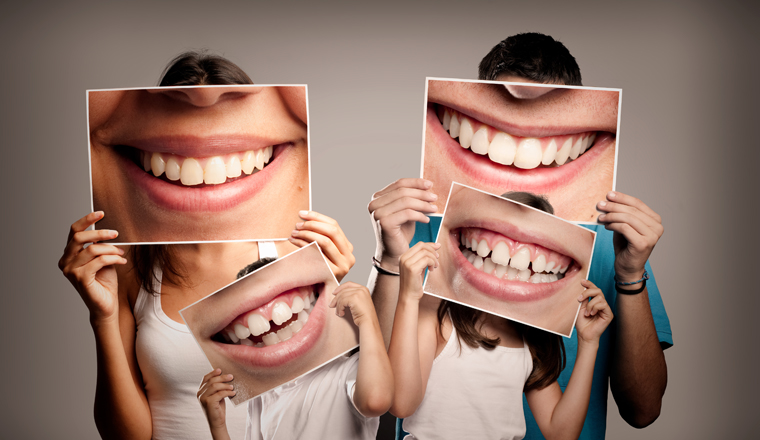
(203,96)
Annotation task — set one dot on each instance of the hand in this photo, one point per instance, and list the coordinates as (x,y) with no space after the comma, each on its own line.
(90,269)
(637,229)
(214,388)
(412,265)
(594,315)
(394,209)
(357,299)
(331,239)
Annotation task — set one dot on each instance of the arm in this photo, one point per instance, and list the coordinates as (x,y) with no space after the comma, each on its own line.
(394,211)
(374,379)
(561,415)
(330,238)
(121,407)
(638,374)
(214,388)
(414,338)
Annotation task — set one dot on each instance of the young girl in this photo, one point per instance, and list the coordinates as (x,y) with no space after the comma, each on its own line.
(464,373)
(342,399)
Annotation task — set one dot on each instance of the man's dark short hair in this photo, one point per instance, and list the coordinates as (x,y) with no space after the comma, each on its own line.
(532,56)
(533,200)
(202,69)
(258,264)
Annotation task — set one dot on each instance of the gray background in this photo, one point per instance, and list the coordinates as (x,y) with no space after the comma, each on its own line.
(687,72)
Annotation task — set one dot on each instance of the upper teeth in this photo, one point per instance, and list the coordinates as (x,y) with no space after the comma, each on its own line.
(209,170)
(503,148)
(522,262)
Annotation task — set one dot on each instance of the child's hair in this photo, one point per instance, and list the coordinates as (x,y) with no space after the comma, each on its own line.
(546,349)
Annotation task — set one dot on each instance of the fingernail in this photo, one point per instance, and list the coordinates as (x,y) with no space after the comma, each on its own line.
(435,196)
(229,376)
(303,213)
(121,251)
(100,213)
(299,225)
(428,184)
(602,203)
(294,233)
(611,195)
(601,217)
(580,297)
(113,233)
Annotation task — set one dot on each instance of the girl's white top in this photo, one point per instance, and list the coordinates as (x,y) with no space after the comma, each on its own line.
(172,366)
(473,393)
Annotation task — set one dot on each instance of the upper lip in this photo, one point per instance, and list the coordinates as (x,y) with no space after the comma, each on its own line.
(195,146)
(272,292)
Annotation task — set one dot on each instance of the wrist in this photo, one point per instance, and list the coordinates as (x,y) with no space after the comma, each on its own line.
(629,276)
(588,345)
(388,262)
(100,322)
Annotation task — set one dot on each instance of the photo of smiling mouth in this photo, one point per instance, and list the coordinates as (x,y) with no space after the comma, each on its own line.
(508,259)
(518,151)
(274,322)
(195,171)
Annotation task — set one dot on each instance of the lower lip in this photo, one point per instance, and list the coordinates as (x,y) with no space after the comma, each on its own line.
(283,352)
(504,177)
(504,290)
(210,198)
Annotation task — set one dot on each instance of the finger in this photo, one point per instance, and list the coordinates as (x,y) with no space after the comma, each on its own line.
(402,204)
(594,304)
(386,199)
(610,207)
(412,182)
(616,196)
(94,266)
(211,374)
(590,293)
(78,240)
(636,240)
(298,242)
(326,245)
(330,230)
(84,223)
(93,251)
(395,220)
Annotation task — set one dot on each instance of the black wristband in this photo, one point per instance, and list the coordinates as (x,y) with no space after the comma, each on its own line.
(632,292)
(381,270)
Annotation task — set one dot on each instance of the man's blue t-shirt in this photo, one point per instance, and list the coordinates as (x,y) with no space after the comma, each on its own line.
(602,274)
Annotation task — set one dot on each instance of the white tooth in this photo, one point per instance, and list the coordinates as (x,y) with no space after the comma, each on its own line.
(564,269)
(233,168)
(529,154)
(488,266)
(172,169)
(555,269)
(249,162)
(539,265)
(471,258)
(303,317)
(215,172)
(500,271)
(306,303)
(512,273)
(247,342)
(467,254)
(446,119)
(465,133)
(312,298)
(295,326)
(285,333)
(462,240)
(500,253)
(454,126)
(521,259)
(298,305)
(564,152)
(590,141)
(260,159)
(550,153)
(535,278)
(259,345)
(232,336)
(576,150)
(546,278)
(157,164)
(477,262)
(270,339)
(280,313)
(480,141)
(269,150)
(549,266)
(242,331)
(483,249)
(523,275)
(145,158)
(474,245)
(191,172)
(258,324)
(502,149)
(552,277)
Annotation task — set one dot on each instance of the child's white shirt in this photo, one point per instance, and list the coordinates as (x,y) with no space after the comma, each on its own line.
(319,405)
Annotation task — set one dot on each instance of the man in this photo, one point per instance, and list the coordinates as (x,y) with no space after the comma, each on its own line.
(631,351)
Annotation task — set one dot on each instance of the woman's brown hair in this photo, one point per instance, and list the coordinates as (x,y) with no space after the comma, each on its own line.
(546,349)
(186,69)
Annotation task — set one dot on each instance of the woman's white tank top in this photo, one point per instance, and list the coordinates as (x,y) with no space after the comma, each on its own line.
(172,366)
(475,393)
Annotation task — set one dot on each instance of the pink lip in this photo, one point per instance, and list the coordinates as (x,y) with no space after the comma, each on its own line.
(283,352)
(493,175)
(194,146)
(505,290)
(209,198)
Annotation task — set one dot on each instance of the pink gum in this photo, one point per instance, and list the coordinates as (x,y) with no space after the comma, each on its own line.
(493,238)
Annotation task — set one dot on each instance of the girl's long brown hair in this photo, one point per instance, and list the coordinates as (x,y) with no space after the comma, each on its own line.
(187,69)
(546,349)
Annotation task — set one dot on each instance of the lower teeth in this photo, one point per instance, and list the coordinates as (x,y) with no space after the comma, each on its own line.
(510,273)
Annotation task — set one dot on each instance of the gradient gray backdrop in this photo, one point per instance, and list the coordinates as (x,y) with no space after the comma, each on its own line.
(687,72)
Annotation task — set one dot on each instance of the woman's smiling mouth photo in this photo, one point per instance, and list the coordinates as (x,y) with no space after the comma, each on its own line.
(199,163)
(499,137)
(272,325)
(511,260)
